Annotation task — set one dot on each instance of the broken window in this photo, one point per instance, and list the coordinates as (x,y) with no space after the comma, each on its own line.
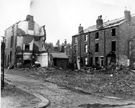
(27,47)
(85,48)
(97,35)
(113,32)
(113,45)
(96,47)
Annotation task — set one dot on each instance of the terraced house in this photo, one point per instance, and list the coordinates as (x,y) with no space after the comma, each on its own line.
(105,43)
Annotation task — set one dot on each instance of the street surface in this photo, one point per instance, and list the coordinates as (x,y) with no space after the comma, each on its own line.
(61,97)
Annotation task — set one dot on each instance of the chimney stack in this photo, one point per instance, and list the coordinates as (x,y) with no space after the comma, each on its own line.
(65,42)
(80,29)
(29,17)
(99,22)
(127,15)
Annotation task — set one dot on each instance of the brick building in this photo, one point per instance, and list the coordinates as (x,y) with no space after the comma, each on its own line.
(24,41)
(105,43)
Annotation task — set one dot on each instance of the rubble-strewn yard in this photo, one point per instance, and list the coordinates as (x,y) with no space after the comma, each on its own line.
(121,83)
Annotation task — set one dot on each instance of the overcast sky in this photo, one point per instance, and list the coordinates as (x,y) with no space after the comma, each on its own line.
(62,17)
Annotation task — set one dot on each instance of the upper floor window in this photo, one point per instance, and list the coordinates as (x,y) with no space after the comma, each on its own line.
(97,35)
(86,37)
(75,40)
(113,45)
(75,49)
(85,48)
(96,47)
(11,44)
(113,32)
(27,47)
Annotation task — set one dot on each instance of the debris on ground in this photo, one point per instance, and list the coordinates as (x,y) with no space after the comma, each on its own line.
(120,82)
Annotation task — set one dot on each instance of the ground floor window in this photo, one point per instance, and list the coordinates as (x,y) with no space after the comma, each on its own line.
(96,61)
(86,60)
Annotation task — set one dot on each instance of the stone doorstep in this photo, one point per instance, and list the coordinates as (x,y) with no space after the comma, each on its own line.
(44,102)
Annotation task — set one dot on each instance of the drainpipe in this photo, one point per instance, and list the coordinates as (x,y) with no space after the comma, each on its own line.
(105,49)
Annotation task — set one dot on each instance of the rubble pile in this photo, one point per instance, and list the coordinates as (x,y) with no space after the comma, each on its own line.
(108,82)
(121,82)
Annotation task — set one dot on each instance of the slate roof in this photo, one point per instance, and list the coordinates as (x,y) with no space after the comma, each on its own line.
(108,24)
(59,55)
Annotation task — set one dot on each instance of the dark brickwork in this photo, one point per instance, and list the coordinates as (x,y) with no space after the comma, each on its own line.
(123,32)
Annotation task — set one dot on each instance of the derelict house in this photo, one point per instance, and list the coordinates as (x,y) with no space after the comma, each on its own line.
(24,44)
(105,43)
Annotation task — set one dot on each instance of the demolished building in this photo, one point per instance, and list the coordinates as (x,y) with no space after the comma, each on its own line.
(25,44)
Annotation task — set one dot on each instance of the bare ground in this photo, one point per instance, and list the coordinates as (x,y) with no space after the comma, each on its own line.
(120,84)
(12,97)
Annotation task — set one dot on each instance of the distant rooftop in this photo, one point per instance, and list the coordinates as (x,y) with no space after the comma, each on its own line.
(59,55)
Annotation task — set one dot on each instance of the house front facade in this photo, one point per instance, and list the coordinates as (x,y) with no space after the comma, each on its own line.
(104,43)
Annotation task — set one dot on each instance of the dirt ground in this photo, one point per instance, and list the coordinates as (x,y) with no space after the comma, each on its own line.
(120,84)
(12,97)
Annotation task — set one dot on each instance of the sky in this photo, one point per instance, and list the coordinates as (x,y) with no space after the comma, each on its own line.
(62,17)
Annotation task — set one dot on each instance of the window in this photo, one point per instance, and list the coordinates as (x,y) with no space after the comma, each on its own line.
(96,60)
(113,45)
(27,47)
(96,47)
(75,40)
(10,56)
(75,49)
(86,60)
(11,44)
(86,37)
(113,32)
(97,35)
(85,48)
(102,61)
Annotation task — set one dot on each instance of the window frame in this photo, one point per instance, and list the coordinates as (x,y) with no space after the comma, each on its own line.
(75,40)
(112,46)
(113,32)
(86,61)
(86,37)
(96,35)
(96,47)
(86,48)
